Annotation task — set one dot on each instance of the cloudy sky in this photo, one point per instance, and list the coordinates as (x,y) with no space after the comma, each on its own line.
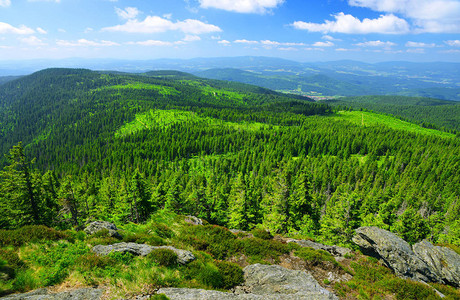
(303,30)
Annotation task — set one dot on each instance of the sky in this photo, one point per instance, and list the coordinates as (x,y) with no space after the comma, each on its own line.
(301,30)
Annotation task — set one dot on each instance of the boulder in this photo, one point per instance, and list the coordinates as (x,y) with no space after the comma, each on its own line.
(193,220)
(395,253)
(97,226)
(43,294)
(261,282)
(441,260)
(334,250)
(183,256)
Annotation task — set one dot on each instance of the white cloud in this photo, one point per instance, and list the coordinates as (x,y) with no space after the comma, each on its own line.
(420,45)
(5,3)
(32,41)
(128,13)
(376,44)
(246,42)
(416,51)
(88,30)
(85,43)
(224,42)
(427,15)
(242,6)
(288,49)
(274,43)
(329,38)
(41,30)
(7,28)
(323,44)
(191,38)
(57,1)
(453,43)
(450,51)
(155,24)
(387,24)
(156,43)
(61,30)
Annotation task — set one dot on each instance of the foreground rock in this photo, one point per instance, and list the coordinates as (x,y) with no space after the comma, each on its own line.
(97,226)
(261,282)
(424,262)
(43,294)
(183,256)
(441,260)
(334,250)
(193,220)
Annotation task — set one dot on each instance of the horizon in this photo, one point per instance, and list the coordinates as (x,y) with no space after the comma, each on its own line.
(304,31)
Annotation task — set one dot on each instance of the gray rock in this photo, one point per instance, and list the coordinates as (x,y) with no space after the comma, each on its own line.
(395,253)
(443,261)
(334,250)
(183,256)
(43,294)
(97,226)
(261,282)
(193,220)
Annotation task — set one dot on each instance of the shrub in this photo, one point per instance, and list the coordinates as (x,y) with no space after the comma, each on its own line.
(262,234)
(12,259)
(163,257)
(121,257)
(232,274)
(210,276)
(407,289)
(143,238)
(264,248)
(163,231)
(31,234)
(91,261)
(315,257)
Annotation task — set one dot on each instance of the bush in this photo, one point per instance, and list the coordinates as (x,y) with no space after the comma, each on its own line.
(264,248)
(91,261)
(163,231)
(407,289)
(210,276)
(31,234)
(143,238)
(12,259)
(163,257)
(315,257)
(262,234)
(232,274)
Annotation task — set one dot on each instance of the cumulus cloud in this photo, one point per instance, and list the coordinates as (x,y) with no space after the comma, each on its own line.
(5,3)
(245,42)
(453,43)
(274,43)
(128,13)
(41,30)
(156,43)
(377,43)
(32,41)
(323,44)
(419,45)
(85,43)
(155,24)
(224,42)
(7,28)
(386,24)
(242,6)
(191,38)
(329,38)
(434,16)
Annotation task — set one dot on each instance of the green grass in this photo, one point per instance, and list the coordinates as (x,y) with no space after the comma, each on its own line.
(162,90)
(369,119)
(167,118)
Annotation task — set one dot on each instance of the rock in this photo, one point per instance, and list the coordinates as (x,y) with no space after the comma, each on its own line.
(441,260)
(262,282)
(193,220)
(242,234)
(43,294)
(97,226)
(334,250)
(395,253)
(183,256)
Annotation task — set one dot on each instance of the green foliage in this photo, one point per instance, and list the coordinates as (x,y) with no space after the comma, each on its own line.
(261,234)
(163,257)
(232,274)
(315,257)
(411,226)
(31,234)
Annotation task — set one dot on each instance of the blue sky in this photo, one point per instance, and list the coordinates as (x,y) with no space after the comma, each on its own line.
(302,30)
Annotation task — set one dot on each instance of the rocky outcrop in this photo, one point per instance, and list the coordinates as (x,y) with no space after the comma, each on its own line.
(193,220)
(423,262)
(183,256)
(441,260)
(43,294)
(98,226)
(334,250)
(262,282)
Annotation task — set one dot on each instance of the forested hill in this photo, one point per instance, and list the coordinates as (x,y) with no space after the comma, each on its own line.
(120,147)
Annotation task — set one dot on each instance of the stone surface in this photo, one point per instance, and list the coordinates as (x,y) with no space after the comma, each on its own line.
(395,252)
(334,250)
(97,226)
(183,256)
(262,282)
(193,220)
(441,260)
(43,294)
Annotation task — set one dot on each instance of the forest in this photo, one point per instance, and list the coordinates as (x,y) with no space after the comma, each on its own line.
(81,145)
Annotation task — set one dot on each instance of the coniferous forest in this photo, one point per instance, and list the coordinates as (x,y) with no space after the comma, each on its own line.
(82,145)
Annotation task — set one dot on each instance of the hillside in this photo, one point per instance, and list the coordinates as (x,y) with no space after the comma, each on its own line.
(139,150)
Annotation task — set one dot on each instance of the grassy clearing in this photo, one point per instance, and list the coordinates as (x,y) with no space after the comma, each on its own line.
(167,118)
(369,119)
(162,90)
